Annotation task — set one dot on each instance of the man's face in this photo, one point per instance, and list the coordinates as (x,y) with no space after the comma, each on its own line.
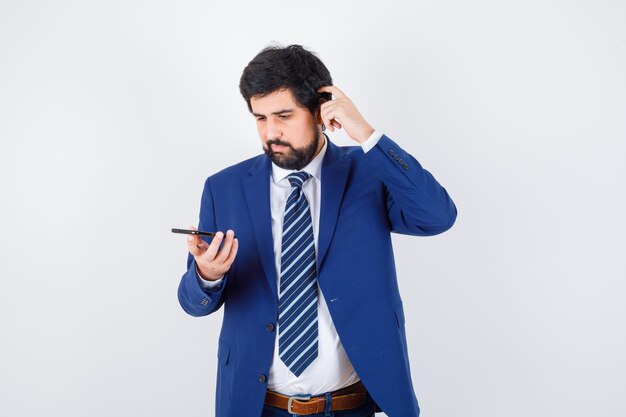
(289,133)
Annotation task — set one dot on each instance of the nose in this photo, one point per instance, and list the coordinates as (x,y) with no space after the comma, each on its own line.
(272,129)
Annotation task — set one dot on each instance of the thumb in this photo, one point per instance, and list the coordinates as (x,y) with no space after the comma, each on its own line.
(195,244)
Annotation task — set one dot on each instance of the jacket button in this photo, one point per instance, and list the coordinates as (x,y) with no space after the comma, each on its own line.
(396,157)
(401,162)
(405,166)
(391,152)
(270,327)
(262,378)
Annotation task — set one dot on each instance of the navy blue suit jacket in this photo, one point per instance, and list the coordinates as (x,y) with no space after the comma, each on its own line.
(365,196)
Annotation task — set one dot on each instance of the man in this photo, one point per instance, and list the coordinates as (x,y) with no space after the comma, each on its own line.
(313,321)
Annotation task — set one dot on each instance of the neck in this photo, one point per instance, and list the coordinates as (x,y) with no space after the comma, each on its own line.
(320,142)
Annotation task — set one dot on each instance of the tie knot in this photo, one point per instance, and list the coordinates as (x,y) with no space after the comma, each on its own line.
(296,179)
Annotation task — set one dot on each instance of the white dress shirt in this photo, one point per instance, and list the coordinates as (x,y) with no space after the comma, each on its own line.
(331,370)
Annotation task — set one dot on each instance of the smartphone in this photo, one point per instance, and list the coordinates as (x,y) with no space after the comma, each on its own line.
(195,232)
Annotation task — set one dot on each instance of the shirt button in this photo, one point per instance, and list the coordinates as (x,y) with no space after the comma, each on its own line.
(262,378)
(270,327)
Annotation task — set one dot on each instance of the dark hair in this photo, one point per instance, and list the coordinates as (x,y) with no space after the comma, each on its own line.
(291,67)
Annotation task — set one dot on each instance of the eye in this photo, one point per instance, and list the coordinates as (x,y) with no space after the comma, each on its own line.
(283,116)
(260,118)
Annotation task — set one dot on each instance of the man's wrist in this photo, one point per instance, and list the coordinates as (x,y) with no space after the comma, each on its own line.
(365,134)
(205,277)
(209,285)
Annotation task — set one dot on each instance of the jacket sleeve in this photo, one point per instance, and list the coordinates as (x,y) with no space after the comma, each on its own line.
(416,203)
(195,300)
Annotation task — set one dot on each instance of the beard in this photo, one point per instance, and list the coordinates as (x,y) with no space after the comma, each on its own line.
(293,158)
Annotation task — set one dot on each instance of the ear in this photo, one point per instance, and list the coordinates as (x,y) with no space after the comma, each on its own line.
(322,98)
(318,118)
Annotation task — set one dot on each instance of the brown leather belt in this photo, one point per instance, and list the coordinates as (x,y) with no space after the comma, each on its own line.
(344,399)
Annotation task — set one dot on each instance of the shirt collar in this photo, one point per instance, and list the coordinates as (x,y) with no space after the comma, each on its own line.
(314,168)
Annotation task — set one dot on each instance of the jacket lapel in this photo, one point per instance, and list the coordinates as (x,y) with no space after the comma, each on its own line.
(257,191)
(335,168)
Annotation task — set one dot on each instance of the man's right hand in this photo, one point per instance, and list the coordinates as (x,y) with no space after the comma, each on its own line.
(212,261)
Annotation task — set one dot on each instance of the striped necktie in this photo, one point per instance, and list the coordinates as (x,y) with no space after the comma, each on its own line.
(297,299)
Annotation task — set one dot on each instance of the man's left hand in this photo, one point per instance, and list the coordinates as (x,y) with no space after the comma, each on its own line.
(342,113)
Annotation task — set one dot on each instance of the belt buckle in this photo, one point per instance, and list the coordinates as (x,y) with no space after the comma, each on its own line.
(296,397)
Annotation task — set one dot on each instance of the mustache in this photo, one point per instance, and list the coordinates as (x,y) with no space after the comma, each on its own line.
(277,142)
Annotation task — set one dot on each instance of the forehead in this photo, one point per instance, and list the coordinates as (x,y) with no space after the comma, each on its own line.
(275,101)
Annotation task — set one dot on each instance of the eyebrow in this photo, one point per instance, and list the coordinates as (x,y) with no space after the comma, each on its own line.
(276,112)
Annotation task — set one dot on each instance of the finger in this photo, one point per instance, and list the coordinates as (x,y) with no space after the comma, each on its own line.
(331,121)
(324,117)
(214,246)
(195,244)
(193,249)
(233,253)
(328,106)
(327,114)
(329,125)
(325,106)
(332,109)
(225,250)
(334,90)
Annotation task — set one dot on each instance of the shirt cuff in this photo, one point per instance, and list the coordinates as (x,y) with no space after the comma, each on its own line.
(371,141)
(209,285)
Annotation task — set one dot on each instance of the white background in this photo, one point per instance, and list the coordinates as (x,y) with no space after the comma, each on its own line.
(113,113)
